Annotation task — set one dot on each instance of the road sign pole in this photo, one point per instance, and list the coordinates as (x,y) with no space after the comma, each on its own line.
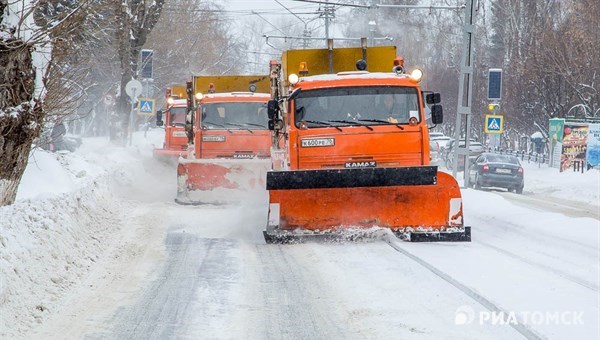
(133,90)
(133,99)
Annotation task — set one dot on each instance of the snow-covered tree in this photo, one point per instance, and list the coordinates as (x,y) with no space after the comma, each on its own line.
(24,56)
(136,19)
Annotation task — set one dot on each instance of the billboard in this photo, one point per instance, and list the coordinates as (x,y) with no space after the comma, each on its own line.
(593,146)
(574,146)
(555,133)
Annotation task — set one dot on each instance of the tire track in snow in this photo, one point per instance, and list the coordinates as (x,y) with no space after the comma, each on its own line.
(522,329)
(288,296)
(163,311)
(564,275)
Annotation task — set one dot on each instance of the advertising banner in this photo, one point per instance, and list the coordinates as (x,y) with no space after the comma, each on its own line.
(574,146)
(593,145)
(556,139)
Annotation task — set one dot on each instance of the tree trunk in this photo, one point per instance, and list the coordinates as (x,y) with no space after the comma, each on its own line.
(137,18)
(20,123)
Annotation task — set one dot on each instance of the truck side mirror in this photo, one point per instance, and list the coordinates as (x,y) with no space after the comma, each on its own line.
(159,121)
(273,113)
(437,115)
(433,98)
(273,109)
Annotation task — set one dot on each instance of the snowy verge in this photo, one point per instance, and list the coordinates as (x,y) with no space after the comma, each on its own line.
(47,246)
(69,214)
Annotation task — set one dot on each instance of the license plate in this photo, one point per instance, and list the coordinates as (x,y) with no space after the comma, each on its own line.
(213,138)
(316,142)
(503,171)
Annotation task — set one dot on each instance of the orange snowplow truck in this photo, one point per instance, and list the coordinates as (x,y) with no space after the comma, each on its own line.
(175,143)
(231,140)
(350,150)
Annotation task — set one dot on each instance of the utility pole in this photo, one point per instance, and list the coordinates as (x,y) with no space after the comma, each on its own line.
(465,93)
(306,32)
(372,24)
(328,13)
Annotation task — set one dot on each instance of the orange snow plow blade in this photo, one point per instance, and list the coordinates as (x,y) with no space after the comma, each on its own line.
(416,203)
(219,181)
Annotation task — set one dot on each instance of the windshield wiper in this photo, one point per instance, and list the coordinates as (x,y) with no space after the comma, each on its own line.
(240,125)
(323,123)
(351,122)
(253,124)
(216,124)
(381,121)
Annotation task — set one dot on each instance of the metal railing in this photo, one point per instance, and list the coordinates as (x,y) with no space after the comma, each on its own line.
(524,156)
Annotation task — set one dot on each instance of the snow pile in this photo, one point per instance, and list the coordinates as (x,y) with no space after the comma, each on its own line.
(46,246)
(65,217)
(573,186)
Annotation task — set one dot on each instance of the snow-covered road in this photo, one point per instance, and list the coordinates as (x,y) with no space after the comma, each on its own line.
(166,271)
(217,279)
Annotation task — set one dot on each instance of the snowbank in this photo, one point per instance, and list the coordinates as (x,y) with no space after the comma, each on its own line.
(69,210)
(572,186)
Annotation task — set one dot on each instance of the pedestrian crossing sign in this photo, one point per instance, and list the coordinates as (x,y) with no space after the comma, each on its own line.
(494,124)
(145,107)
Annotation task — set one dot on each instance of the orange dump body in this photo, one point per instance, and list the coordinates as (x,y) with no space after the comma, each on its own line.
(231,149)
(357,171)
(175,143)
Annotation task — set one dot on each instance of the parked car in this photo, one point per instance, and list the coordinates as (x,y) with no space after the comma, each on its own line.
(475,149)
(442,141)
(434,153)
(433,135)
(494,170)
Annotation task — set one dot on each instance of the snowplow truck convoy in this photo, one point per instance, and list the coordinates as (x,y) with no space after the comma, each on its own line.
(230,138)
(350,150)
(175,143)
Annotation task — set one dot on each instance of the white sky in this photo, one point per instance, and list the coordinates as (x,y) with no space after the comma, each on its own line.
(272,11)
(276,19)
(269,5)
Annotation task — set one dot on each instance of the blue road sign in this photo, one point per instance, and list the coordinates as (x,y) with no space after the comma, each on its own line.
(494,124)
(146,107)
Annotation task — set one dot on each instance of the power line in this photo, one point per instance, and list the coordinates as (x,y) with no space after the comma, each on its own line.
(334,3)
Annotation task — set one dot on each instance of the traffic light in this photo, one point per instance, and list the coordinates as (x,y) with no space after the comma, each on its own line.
(494,108)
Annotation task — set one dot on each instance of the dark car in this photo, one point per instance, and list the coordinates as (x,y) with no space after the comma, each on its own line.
(494,170)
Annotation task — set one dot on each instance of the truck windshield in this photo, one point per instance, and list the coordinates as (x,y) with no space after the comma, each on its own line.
(235,116)
(177,115)
(373,105)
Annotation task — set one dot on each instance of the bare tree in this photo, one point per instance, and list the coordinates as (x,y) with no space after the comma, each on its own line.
(136,20)
(24,52)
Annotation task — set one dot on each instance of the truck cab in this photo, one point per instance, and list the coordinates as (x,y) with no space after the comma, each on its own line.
(232,125)
(173,118)
(356,120)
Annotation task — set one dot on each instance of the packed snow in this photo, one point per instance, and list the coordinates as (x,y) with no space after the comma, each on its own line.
(90,241)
